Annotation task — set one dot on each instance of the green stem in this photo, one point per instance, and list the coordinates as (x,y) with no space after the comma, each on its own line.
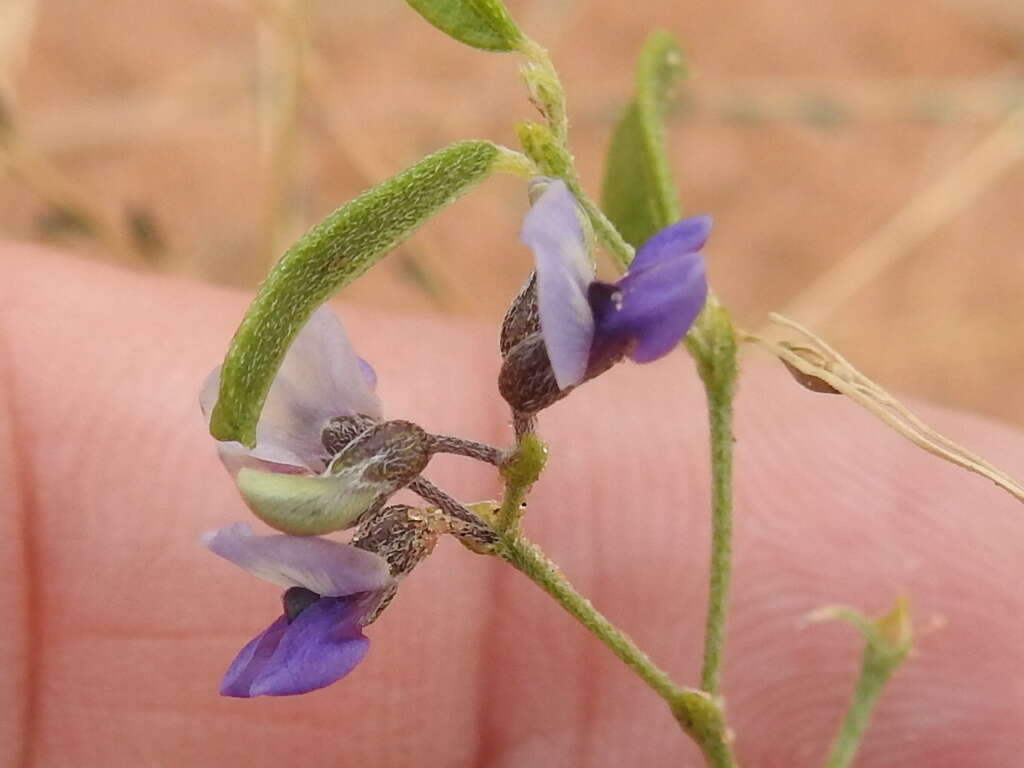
(696,712)
(520,472)
(870,683)
(717,367)
(546,89)
(605,230)
(888,643)
(713,343)
(549,96)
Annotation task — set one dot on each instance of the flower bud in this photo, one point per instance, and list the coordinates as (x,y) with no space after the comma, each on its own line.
(527,380)
(383,459)
(403,536)
(389,454)
(522,318)
(343,430)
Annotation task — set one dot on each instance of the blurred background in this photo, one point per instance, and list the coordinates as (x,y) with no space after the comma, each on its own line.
(864,161)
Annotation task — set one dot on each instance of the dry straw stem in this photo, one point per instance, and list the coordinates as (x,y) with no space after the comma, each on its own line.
(50,184)
(960,186)
(194,103)
(284,45)
(833,101)
(352,137)
(813,357)
(17,25)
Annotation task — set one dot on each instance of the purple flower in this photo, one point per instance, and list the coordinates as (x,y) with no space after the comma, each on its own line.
(320,379)
(588,324)
(320,445)
(566,327)
(332,591)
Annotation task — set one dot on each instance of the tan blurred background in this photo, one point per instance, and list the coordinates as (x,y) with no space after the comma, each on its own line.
(864,161)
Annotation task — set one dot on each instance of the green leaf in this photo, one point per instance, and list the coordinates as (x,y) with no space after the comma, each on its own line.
(329,256)
(638,194)
(484,24)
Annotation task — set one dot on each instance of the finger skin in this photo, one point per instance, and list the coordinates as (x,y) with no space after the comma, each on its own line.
(109,479)
(15,598)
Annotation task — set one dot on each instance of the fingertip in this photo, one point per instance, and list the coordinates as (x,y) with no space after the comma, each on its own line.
(830,507)
(138,617)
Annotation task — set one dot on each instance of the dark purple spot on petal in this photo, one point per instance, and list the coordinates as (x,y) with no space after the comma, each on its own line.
(297,599)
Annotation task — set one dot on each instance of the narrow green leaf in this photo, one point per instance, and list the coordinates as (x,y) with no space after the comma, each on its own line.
(638,194)
(484,24)
(329,256)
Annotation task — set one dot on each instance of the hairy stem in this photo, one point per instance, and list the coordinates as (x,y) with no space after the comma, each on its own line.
(469,448)
(283,90)
(520,472)
(713,344)
(888,641)
(546,89)
(523,424)
(696,712)
(606,232)
(869,684)
(463,522)
(717,367)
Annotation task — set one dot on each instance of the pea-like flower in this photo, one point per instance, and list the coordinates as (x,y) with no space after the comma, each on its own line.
(333,589)
(322,456)
(567,327)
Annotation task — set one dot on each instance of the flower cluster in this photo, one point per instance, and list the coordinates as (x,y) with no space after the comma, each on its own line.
(325,459)
(331,589)
(567,327)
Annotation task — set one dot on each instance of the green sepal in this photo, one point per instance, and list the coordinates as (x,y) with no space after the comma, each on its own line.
(329,256)
(527,462)
(543,149)
(638,194)
(305,505)
(483,24)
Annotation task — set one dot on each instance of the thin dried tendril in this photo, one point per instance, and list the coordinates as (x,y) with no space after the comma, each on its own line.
(814,358)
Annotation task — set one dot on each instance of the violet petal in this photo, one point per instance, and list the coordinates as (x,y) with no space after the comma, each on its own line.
(320,378)
(323,644)
(655,307)
(251,660)
(369,376)
(267,455)
(321,565)
(552,231)
(685,236)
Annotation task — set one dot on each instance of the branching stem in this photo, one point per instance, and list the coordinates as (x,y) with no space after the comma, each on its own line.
(697,713)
